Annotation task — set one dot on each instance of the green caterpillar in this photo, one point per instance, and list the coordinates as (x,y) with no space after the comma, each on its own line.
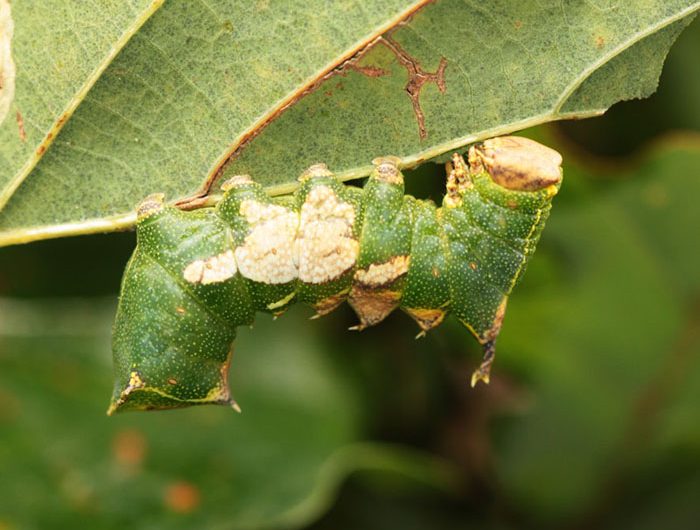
(196,276)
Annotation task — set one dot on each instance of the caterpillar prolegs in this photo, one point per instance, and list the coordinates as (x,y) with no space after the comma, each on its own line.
(196,276)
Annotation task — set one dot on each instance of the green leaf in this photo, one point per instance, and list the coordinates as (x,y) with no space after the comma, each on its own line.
(182,97)
(191,82)
(59,51)
(605,332)
(66,465)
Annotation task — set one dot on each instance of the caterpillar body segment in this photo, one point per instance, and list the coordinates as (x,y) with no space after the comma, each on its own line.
(196,276)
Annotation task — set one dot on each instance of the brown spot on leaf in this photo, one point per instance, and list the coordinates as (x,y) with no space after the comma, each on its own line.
(417,78)
(599,41)
(20,126)
(331,71)
(369,71)
(518,24)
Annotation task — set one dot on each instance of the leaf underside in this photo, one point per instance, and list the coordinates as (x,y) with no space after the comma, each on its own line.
(199,83)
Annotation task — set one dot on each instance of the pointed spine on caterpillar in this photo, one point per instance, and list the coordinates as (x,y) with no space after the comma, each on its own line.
(196,276)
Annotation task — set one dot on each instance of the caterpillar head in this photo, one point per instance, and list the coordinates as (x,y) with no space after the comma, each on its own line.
(517,163)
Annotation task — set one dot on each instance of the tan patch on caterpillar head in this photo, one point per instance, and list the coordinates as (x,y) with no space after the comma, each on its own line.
(216,269)
(517,163)
(267,254)
(325,247)
(7,66)
(378,274)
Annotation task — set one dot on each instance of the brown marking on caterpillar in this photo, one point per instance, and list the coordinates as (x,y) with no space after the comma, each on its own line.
(215,269)
(483,372)
(372,305)
(172,381)
(329,304)
(495,328)
(517,163)
(427,319)
(417,78)
(180,310)
(371,295)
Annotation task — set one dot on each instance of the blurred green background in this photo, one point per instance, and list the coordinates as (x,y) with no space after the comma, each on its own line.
(592,419)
